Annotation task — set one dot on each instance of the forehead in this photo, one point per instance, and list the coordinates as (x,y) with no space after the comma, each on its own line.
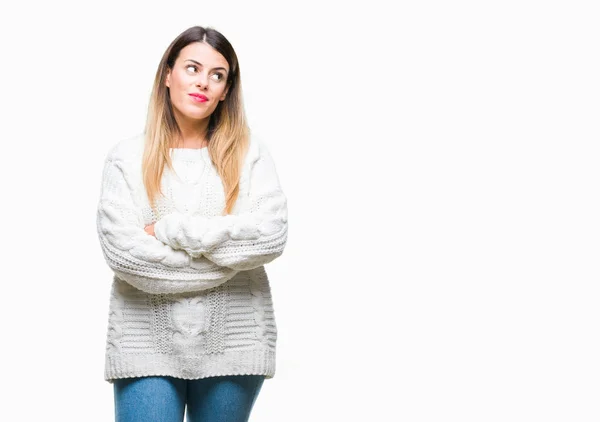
(203,53)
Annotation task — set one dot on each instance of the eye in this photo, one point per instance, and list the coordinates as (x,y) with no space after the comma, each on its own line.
(219,76)
(191,65)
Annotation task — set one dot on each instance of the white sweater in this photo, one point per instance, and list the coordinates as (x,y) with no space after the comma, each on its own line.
(195,301)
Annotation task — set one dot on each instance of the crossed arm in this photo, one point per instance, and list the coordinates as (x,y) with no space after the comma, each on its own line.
(254,237)
(190,253)
(139,258)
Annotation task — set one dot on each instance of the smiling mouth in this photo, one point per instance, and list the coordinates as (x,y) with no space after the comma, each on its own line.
(199,98)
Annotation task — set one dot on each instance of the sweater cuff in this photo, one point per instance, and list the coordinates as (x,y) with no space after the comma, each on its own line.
(160,231)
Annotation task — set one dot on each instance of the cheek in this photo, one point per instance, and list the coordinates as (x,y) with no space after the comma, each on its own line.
(178,90)
(219,95)
(178,81)
(218,91)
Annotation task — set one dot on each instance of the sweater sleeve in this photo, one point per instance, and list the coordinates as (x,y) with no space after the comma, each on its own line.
(254,237)
(139,258)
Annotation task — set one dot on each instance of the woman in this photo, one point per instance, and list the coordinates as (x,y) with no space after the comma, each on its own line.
(189,213)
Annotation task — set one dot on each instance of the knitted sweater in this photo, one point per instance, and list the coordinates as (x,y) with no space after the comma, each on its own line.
(194,301)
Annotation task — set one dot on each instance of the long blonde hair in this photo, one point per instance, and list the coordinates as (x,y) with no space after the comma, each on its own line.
(228,132)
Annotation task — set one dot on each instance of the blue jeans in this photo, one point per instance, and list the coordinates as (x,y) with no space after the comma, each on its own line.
(164,398)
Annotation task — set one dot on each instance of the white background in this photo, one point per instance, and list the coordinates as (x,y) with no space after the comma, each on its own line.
(441,165)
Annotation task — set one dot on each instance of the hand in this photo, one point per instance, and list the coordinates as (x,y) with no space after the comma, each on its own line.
(150,230)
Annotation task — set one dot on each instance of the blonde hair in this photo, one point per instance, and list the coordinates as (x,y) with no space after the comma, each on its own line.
(228,131)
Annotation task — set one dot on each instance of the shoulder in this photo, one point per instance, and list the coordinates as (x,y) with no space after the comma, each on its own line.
(257,149)
(127,149)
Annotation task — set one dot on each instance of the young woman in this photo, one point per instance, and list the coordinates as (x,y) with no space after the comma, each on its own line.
(190,211)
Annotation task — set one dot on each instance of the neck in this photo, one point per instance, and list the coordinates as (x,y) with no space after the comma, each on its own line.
(193,133)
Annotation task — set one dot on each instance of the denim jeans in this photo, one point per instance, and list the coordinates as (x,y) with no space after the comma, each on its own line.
(164,398)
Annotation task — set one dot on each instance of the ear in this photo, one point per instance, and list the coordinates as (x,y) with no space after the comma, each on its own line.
(225,92)
(168,79)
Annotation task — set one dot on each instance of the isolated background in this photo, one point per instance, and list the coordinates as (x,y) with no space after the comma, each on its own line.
(441,165)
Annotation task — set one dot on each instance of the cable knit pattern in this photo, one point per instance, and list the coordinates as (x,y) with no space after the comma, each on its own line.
(252,238)
(135,256)
(195,300)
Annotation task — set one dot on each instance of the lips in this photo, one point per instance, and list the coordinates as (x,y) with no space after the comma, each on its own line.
(199,97)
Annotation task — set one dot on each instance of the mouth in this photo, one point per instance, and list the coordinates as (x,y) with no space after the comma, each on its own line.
(199,98)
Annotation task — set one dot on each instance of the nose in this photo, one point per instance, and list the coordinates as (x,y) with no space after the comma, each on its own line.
(202,81)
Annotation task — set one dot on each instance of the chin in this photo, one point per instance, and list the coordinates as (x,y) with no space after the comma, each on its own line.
(196,116)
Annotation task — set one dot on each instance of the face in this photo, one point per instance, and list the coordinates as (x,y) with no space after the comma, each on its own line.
(197,81)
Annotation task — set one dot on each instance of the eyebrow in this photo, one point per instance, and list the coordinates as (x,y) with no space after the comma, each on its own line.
(200,64)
